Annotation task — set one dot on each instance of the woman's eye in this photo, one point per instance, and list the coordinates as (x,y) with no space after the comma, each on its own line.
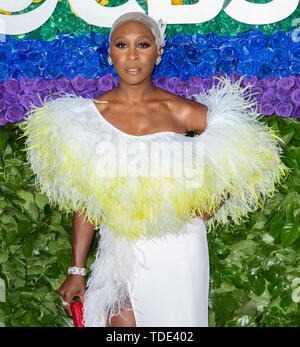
(120,45)
(144,44)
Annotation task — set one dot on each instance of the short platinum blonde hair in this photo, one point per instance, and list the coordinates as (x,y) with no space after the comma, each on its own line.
(157,28)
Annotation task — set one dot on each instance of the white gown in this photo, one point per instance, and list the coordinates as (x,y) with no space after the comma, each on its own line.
(73,151)
(172,288)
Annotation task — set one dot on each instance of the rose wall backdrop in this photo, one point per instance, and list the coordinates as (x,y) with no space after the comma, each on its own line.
(255,267)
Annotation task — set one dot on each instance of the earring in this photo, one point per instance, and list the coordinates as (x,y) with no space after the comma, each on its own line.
(158,60)
(110,62)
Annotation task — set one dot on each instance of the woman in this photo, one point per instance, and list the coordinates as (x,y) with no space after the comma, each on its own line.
(151,267)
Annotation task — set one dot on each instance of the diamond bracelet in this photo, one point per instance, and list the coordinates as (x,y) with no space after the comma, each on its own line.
(74,270)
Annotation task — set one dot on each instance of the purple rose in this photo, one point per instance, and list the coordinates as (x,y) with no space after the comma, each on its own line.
(297,80)
(26,100)
(105,83)
(257,92)
(283,109)
(3,121)
(267,109)
(295,96)
(283,95)
(252,81)
(30,99)
(160,82)
(10,99)
(40,84)
(14,114)
(207,83)
(195,81)
(234,77)
(269,95)
(180,87)
(193,90)
(91,84)
(286,82)
(170,85)
(296,113)
(51,84)
(12,86)
(63,84)
(2,105)
(216,77)
(2,89)
(270,81)
(27,84)
(78,83)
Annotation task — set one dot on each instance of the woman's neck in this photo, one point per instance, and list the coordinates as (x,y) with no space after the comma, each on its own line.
(134,94)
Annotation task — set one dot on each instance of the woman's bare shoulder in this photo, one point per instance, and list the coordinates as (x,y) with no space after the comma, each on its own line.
(191,112)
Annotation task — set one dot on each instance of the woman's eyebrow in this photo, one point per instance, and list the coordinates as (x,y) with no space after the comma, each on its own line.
(139,37)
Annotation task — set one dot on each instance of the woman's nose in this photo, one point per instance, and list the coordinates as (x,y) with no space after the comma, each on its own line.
(132,53)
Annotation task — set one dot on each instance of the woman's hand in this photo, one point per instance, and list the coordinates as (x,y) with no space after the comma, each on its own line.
(74,285)
(207,216)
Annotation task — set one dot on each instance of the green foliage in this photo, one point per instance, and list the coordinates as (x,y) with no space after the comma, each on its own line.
(254,269)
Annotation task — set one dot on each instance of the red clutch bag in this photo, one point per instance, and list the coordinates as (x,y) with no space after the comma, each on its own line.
(77,313)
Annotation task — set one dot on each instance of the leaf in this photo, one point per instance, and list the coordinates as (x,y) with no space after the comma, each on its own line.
(33,211)
(289,234)
(40,200)
(3,256)
(4,136)
(27,197)
(248,308)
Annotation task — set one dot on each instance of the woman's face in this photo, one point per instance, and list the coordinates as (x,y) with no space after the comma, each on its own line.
(133,51)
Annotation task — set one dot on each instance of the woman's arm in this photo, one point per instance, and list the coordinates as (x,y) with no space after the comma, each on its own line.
(82,236)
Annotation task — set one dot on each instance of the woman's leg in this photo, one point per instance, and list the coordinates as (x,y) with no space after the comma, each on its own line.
(127,319)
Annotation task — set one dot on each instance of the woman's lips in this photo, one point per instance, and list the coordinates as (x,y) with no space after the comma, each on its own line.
(133,71)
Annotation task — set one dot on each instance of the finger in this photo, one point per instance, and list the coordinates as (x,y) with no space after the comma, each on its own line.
(81,299)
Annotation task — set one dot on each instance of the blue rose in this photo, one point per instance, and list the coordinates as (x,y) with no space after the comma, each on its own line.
(98,39)
(201,41)
(70,69)
(74,57)
(229,54)
(4,53)
(295,68)
(18,60)
(192,52)
(85,40)
(205,69)
(36,58)
(295,53)
(173,54)
(265,55)
(51,71)
(90,56)
(68,43)
(53,45)
(215,40)
(212,55)
(226,67)
(247,67)
(178,40)
(265,70)
(187,71)
(54,57)
(278,39)
(281,57)
(256,40)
